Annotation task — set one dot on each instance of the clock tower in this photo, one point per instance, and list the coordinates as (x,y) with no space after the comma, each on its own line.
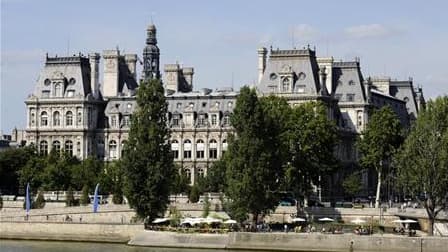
(151,55)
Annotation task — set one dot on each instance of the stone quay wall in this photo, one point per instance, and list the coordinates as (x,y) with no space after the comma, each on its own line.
(116,233)
(290,242)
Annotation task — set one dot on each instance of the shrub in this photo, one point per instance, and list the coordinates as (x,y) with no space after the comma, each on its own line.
(70,199)
(206,208)
(194,194)
(40,201)
(85,200)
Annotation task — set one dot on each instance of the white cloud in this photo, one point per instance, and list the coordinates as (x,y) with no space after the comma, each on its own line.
(371,31)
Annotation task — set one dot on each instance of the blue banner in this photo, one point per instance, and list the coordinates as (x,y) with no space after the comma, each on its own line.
(27,199)
(95,199)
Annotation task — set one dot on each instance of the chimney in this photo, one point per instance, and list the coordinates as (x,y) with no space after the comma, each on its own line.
(262,53)
(171,77)
(188,75)
(131,60)
(110,82)
(94,59)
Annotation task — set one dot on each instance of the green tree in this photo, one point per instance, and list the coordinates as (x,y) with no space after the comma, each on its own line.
(215,181)
(85,199)
(148,161)
(311,138)
(352,185)
(87,172)
(422,162)
(206,207)
(378,143)
(181,183)
(194,194)
(70,199)
(251,168)
(32,171)
(40,201)
(11,161)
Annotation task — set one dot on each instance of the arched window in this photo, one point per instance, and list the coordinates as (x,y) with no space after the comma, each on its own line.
(56,119)
(113,149)
(43,147)
(224,146)
(213,149)
(175,149)
(201,173)
(56,146)
(187,149)
(43,118)
(69,118)
(200,149)
(285,85)
(123,143)
(188,174)
(69,147)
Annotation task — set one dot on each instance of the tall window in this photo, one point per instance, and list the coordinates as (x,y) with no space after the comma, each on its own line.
(188,174)
(226,120)
(56,118)
(57,90)
(201,120)
(69,147)
(43,119)
(201,173)
(43,147)
(126,121)
(200,149)
(32,117)
(79,117)
(175,149)
(213,149)
(214,119)
(113,149)
(56,146)
(285,85)
(187,149)
(175,121)
(69,118)
(113,121)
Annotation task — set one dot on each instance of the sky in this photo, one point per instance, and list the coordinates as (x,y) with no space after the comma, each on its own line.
(399,38)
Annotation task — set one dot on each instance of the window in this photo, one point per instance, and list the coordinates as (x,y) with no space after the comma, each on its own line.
(226,120)
(113,149)
(200,149)
(188,174)
(201,120)
(69,147)
(70,93)
(201,173)
(129,106)
(204,104)
(285,85)
(43,147)
(56,146)
(214,120)
(45,93)
(79,117)
(113,121)
(56,118)
(350,97)
(187,149)
(175,121)
(43,119)
(123,143)
(69,118)
(230,104)
(300,88)
(359,118)
(213,149)
(175,149)
(100,149)
(224,146)
(32,117)
(57,90)
(126,121)
(351,83)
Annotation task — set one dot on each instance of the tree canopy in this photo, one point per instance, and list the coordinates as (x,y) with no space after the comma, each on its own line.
(422,162)
(148,161)
(378,143)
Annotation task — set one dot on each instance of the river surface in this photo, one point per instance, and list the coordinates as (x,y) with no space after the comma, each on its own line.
(51,246)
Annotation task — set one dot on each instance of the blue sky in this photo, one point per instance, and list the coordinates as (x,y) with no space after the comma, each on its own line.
(219,39)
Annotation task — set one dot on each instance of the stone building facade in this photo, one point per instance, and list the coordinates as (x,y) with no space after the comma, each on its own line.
(69,109)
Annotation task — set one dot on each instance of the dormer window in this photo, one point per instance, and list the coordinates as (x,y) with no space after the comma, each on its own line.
(57,90)
(285,85)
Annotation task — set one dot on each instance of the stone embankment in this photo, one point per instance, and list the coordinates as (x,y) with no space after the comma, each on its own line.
(291,242)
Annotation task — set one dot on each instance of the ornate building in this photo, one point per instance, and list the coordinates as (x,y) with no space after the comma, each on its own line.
(70,110)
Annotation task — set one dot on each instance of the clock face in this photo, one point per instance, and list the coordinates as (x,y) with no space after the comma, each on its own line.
(110,63)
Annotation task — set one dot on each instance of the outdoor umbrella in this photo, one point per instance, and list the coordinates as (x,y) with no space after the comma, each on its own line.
(297,219)
(326,219)
(358,221)
(230,222)
(409,221)
(160,220)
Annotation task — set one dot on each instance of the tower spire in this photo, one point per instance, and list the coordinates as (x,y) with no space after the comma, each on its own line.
(151,54)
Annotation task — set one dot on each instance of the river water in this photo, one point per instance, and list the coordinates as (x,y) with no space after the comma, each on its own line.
(47,246)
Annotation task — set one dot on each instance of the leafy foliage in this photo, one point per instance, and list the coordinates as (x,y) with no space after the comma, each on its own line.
(40,201)
(379,142)
(422,162)
(194,195)
(352,184)
(206,207)
(147,161)
(10,161)
(70,199)
(85,199)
